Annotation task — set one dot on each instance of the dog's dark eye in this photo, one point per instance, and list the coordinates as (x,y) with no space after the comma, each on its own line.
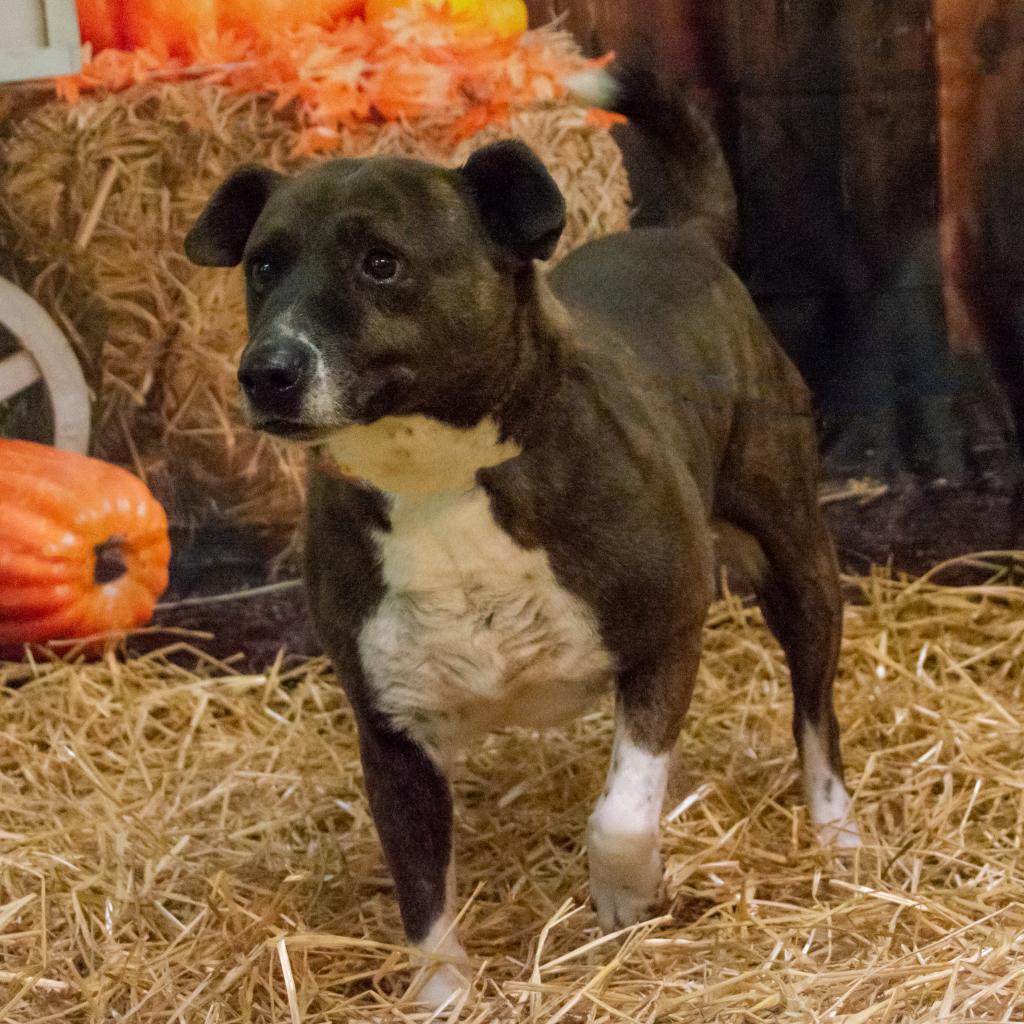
(380,265)
(261,273)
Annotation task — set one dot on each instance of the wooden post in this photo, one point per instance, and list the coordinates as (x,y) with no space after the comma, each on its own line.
(993,263)
(960,78)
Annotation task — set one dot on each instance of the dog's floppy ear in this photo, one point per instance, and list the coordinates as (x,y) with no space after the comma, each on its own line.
(218,237)
(518,200)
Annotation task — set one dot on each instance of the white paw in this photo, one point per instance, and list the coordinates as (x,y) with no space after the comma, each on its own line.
(827,799)
(440,987)
(625,878)
(842,834)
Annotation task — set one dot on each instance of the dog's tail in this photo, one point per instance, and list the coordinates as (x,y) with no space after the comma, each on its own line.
(699,188)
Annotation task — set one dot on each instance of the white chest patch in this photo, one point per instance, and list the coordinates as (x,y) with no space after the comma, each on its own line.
(474,632)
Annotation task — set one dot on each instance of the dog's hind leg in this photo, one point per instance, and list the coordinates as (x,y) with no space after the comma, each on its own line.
(803,608)
(624,830)
(773,497)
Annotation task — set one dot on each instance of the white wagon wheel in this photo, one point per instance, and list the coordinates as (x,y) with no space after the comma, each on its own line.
(45,355)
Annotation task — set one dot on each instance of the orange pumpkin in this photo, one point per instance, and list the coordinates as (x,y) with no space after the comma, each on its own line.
(83,546)
(260,17)
(505,18)
(101,23)
(175,27)
(169,27)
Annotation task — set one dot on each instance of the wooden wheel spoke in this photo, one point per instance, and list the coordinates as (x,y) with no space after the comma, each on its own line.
(17,372)
(44,355)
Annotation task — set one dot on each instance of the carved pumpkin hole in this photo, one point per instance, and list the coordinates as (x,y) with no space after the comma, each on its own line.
(110,564)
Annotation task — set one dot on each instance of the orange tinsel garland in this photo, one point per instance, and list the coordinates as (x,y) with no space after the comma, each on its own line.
(421,62)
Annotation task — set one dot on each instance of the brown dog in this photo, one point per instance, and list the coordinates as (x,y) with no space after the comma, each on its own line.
(529,475)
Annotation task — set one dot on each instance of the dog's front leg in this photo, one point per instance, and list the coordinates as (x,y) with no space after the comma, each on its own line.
(624,829)
(412,807)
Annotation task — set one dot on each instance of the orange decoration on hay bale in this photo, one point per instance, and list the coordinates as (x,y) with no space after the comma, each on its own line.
(466,61)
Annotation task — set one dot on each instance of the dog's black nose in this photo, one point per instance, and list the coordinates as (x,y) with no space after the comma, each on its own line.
(273,375)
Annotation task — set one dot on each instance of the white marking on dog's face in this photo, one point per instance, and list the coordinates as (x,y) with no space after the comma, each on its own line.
(474,632)
(288,324)
(827,799)
(322,405)
(416,455)
(622,839)
(317,404)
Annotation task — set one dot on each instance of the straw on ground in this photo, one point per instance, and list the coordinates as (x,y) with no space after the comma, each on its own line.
(194,846)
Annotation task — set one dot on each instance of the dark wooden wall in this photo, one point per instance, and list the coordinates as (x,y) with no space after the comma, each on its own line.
(828,112)
(995,250)
(670,27)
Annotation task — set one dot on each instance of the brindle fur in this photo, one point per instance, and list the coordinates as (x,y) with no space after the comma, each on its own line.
(645,392)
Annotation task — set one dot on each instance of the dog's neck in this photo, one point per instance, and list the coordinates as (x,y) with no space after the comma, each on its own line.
(540,338)
(417,455)
(420,454)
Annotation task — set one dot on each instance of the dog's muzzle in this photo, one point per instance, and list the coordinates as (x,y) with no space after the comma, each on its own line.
(274,377)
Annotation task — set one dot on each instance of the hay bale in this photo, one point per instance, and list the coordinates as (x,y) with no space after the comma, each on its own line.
(173,840)
(101,194)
